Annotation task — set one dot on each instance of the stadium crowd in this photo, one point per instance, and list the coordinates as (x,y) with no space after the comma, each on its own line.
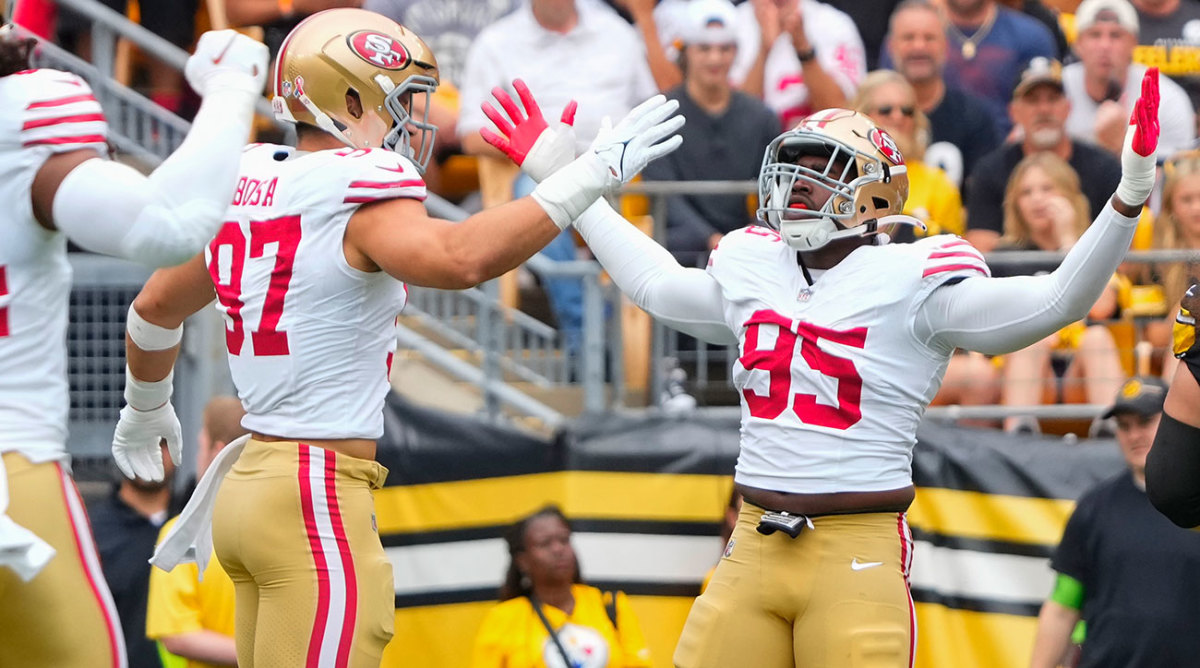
(1011,116)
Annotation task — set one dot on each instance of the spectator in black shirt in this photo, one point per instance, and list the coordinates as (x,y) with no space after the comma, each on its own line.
(961,127)
(1040,109)
(724,139)
(1121,567)
(126,525)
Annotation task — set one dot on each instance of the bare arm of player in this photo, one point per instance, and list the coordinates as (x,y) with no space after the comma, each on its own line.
(1173,465)
(1000,315)
(1055,624)
(165,218)
(152,334)
(399,237)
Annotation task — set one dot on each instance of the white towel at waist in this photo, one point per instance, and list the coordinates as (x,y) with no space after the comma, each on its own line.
(191,537)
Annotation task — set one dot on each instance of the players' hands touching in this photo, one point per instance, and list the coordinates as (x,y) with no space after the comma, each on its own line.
(644,135)
(525,136)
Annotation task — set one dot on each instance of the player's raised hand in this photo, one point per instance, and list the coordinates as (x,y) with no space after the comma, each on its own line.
(645,134)
(614,158)
(227,59)
(136,441)
(525,137)
(1141,142)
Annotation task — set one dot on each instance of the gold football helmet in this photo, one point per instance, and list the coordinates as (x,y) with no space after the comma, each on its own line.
(339,52)
(865,176)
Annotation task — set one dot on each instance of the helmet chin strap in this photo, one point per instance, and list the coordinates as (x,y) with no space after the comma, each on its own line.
(826,230)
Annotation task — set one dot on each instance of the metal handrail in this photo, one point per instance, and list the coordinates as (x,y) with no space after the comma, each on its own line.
(492,387)
(114,24)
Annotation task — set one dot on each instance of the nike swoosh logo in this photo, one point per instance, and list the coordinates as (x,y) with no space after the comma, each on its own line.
(856,565)
(220,56)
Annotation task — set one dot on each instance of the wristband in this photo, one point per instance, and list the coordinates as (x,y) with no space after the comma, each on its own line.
(807,55)
(149,336)
(1137,173)
(565,194)
(144,396)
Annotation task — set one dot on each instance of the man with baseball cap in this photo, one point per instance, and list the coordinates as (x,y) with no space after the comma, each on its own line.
(1040,109)
(1121,566)
(1104,83)
(724,139)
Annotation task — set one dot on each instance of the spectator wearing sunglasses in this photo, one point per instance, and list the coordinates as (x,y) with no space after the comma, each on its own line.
(891,102)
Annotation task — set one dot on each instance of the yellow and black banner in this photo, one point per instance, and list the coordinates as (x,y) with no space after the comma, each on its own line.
(646,496)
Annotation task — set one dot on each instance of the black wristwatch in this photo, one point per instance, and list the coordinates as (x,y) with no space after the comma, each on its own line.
(806,55)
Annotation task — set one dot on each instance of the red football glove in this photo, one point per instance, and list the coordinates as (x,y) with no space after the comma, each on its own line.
(1145,115)
(1141,141)
(517,138)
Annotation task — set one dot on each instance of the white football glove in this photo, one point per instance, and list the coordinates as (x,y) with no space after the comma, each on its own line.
(645,134)
(227,59)
(616,156)
(136,441)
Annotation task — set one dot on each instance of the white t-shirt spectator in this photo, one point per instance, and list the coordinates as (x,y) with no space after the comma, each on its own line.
(600,63)
(839,51)
(1175,114)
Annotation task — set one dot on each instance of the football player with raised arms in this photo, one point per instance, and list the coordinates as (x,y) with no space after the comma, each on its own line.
(844,339)
(309,272)
(59,185)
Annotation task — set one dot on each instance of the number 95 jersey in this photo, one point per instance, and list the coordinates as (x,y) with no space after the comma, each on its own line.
(832,378)
(309,337)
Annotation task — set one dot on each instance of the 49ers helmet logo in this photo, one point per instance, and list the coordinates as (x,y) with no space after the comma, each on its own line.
(379,49)
(886,145)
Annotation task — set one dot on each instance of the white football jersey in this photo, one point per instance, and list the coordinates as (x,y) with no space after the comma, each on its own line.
(42,112)
(309,337)
(833,380)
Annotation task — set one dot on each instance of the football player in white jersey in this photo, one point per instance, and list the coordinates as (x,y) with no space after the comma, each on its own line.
(55,609)
(844,339)
(309,273)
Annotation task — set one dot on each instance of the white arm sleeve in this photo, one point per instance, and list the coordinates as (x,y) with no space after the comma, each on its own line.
(1000,315)
(688,300)
(166,218)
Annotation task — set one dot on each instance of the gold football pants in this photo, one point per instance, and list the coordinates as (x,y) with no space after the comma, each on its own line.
(294,526)
(835,596)
(64,617)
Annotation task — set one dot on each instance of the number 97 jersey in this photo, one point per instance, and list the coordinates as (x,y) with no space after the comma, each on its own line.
(309,337)
(833,380)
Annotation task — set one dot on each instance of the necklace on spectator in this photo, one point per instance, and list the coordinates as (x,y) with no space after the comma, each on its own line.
(970,45)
